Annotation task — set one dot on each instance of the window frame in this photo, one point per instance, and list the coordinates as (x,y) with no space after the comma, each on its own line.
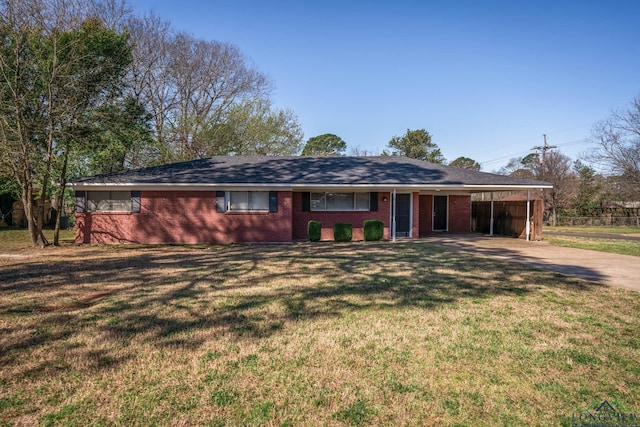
(92,206)
(326,196)
(249,208)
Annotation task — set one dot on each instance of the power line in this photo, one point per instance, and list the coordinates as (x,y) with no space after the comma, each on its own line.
(528,138)
(577,141)
(521,153)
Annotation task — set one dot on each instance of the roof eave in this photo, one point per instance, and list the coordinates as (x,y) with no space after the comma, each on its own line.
(308,186)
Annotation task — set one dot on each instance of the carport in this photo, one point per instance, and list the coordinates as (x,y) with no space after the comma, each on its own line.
(518,215)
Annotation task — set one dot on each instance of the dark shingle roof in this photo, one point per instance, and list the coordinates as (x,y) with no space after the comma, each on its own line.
(379,171)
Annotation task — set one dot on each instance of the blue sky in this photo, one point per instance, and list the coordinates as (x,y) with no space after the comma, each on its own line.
(486,78)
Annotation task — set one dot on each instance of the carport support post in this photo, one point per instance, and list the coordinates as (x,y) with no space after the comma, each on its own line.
(393,217)
(491,219)
(528,226)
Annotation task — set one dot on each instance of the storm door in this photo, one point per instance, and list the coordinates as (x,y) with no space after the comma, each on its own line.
(440,214)
(403,215)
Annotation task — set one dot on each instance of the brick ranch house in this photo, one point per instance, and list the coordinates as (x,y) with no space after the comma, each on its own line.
(271,199)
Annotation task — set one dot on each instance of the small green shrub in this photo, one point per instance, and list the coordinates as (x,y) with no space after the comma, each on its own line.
(342,232)
(373,229)
(314,229)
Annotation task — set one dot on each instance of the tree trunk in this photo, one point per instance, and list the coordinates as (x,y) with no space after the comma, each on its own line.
(27,204)
(554,216)
(41,242)
(56,229)
(60,198)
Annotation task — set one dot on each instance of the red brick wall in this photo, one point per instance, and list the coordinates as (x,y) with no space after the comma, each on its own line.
(117,227)
(185,217)
(328,219)
(459,214)
(191,217)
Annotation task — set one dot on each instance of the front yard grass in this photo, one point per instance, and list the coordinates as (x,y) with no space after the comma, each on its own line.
(309,334)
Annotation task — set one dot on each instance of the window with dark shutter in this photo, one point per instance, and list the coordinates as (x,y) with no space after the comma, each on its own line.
(220,202)
(306,202)
(273,201)
(373,201)
(135,202)
(108,201)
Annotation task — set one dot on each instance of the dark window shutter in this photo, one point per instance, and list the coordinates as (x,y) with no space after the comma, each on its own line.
(220,205)
(273,201)
(81,201)
(306,202)
(373,201)
(135,201)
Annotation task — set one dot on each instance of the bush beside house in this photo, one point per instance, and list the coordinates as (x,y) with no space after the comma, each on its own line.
(373,230)
(314,230)
(342,232)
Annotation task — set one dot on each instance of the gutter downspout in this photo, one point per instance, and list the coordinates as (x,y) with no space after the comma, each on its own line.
(528,227)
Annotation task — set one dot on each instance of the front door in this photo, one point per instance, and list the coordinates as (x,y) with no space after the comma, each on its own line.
(403,215)
(440,213)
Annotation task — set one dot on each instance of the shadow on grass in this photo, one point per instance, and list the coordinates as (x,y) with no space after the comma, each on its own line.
(521,256)
(183,296)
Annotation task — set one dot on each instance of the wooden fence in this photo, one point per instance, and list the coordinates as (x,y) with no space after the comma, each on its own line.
(509,218)
(599,221)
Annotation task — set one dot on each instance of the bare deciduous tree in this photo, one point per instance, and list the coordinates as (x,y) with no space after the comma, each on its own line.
(359,151)
(555,168)
(617,145)
(188,84)
(150,74)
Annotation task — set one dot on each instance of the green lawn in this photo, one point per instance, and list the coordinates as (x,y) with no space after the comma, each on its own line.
(596,230)
(12,239)
(596,243)
(624,247)
(309,334)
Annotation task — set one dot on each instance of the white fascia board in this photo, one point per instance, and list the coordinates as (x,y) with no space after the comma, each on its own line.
(515,187)
(178,187)
(418,187)
(303,187)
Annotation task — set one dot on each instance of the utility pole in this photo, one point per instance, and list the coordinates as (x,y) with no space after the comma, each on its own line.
(543,160)
(544,148)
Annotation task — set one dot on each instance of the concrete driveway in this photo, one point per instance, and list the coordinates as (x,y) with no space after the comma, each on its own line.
(609,269)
